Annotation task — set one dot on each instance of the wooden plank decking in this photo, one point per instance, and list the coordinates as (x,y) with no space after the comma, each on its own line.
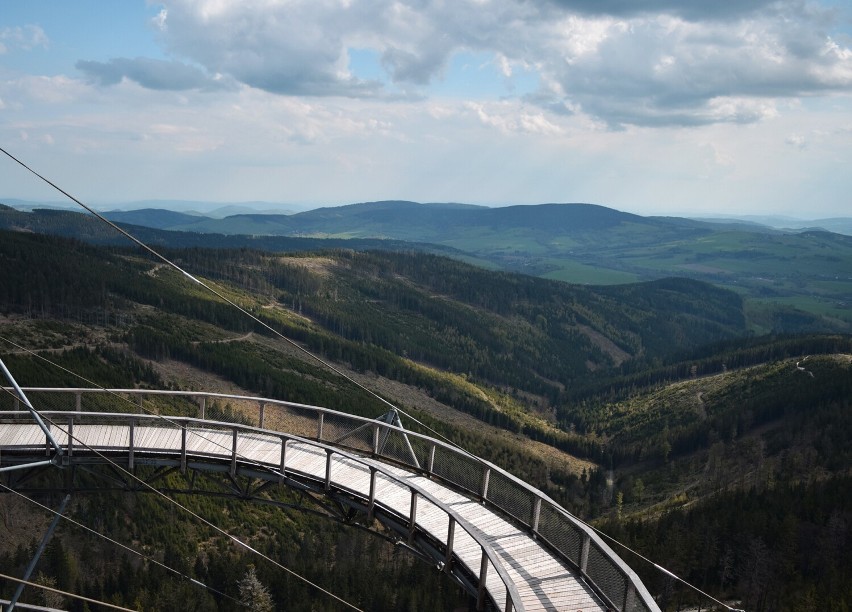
(543,582)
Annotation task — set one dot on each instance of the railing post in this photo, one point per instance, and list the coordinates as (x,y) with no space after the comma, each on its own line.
(536,515)
(451,534)
(629,596)
(69,450)
(375,440)
(283,465)
(328,454)
(430,467)
(486,476)
(483,574)
(412,517)
(183,449)
(131,444)
(262,406)
(203,407)
(234,453)
(584,553)
(371,503)
(78,401)
(319,426)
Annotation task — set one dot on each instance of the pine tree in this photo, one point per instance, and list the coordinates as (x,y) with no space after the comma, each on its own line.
(253,593)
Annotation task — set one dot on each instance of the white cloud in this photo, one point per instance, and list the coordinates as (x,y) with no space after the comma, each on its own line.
(656,62)
(509,118)
(796,140)
(22,37)
(153,74)
(257,100)
(159,22)
(54,90)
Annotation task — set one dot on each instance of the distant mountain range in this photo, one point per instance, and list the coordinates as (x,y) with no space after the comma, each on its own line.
(198,214)
(793,280)
(399,220)
(404,220)
(216,210)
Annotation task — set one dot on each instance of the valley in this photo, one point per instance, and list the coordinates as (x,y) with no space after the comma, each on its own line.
(642,407)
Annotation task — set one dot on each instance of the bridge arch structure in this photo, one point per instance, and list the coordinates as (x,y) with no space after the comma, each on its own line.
(507,543)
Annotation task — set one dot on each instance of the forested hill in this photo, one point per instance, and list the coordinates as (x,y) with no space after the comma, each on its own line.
(521,332)
(791,281)
(404,220)
(92,230)
(647,405)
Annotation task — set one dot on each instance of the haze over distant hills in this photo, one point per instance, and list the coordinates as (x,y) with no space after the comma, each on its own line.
(216,210)
(793,280)
(144,213)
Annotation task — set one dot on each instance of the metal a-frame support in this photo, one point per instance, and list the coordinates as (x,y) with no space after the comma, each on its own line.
(391,418)
(57,455)
(54,460)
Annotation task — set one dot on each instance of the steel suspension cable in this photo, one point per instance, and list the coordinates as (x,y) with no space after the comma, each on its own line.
(194,514)
(325,363)
(200,282)
(126,400)
(65,593)
(181,426)
(123,546)
(659,567)
(208,287)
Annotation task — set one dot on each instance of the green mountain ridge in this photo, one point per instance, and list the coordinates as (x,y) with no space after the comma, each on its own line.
(649,407)
(792,282)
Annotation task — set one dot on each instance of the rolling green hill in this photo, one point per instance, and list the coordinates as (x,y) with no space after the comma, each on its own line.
(648,407)
(791,281)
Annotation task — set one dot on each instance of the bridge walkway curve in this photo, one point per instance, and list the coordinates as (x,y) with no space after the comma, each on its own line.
(471,537)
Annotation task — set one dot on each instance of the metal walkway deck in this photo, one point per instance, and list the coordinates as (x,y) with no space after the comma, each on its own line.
(493,534)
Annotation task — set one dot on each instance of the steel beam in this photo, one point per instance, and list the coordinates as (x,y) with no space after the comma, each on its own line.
(38,553)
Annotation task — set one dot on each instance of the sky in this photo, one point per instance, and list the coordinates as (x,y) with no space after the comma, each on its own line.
(686,107)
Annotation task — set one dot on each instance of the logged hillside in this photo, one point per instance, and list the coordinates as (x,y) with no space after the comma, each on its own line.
(791,282)
(646,406)
(404,316)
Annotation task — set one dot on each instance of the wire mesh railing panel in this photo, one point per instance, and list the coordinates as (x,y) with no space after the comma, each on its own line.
(52,401)
(7,403)
(162,405)
(560,532)
(639,606)
(345,431)
(608,577)
(401,447)
(229,412)
(458,469)
(300,422)
(510,497)
(142,428)
(422,448)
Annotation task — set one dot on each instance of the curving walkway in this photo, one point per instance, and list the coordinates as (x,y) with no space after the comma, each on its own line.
(502,540)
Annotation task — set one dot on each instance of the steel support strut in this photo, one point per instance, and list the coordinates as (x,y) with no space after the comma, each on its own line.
(33,412)
(38,553)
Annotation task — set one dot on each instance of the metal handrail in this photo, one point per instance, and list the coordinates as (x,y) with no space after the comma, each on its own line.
(513,598)
(626,595)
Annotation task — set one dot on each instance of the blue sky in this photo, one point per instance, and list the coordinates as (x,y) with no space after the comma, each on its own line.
(650,106)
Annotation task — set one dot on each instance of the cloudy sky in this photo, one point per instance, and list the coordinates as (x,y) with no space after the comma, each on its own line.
(648,106)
